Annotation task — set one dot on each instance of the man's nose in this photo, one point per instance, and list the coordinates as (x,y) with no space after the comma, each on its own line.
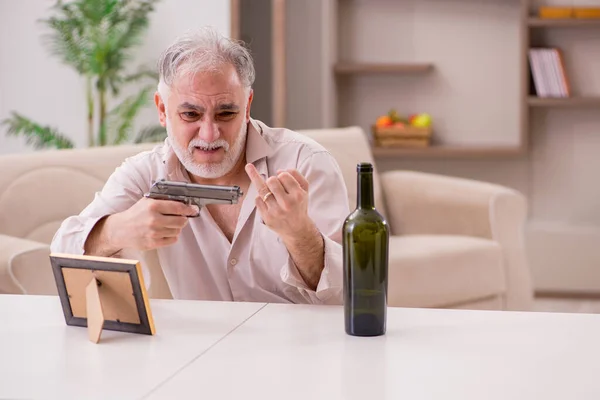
(209,131)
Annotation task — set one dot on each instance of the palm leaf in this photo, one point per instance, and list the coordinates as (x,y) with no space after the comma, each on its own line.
(140,74)
(96,38)
(151,134)
(134,21)
(122,116)
(127,25)
(69,36)
(96,35)
(37,135)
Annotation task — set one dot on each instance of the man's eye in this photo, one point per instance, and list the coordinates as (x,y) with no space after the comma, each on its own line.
(226,115)
(189,115)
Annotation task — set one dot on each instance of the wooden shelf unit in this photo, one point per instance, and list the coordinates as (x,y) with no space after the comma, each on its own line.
(348,68)
(573,101)
(529,24)
(536,22)
(448,151)
(345,68)
(568,102)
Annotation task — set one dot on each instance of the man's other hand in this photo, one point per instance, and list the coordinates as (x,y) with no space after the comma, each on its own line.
(283,202)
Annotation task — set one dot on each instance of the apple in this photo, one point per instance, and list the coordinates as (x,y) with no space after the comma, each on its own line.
(422,120)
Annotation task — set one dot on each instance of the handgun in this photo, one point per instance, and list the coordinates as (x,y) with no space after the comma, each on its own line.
(193,193)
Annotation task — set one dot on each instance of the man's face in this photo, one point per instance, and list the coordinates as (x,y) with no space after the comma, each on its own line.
(206,117)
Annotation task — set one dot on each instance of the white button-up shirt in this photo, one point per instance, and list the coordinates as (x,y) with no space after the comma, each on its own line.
(255,265)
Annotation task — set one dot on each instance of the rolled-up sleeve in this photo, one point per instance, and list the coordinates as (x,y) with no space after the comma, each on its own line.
(328,207)
(124,188)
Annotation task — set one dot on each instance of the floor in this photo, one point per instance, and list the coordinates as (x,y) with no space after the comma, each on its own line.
(591,306)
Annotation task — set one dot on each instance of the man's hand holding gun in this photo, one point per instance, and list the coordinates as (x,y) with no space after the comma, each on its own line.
(157,219)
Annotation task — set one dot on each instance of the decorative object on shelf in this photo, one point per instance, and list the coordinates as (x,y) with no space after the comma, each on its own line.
(569,12)
(556,12)
(586,13)
(394,130)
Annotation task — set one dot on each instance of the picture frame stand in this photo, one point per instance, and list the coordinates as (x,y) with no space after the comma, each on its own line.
(102,293)
(95,316)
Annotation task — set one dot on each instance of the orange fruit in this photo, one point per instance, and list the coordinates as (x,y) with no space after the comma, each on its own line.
(384,120)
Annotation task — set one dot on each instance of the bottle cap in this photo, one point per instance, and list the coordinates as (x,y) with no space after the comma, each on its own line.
(364,167)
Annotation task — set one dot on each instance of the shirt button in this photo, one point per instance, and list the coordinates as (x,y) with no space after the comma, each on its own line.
(233,261)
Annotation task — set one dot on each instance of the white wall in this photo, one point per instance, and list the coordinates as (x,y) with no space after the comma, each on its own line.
(37,85)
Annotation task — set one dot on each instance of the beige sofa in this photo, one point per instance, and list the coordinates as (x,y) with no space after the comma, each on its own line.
(455,243)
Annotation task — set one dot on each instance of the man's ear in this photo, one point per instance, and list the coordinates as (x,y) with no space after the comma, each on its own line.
(162,110)
(250,97)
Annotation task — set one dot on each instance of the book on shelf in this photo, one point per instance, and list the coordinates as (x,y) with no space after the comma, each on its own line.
(548,73)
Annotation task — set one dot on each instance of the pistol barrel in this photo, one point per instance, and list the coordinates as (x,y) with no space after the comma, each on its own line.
(191,192)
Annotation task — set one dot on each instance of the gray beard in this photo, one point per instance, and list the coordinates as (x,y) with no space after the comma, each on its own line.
(210,170)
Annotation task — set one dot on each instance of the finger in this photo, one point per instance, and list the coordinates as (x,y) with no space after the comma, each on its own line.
(262,207)
(256,179)
(290,184)
(166,241)
(170,221)
(161,233)
(171,207)
(277,189)
(299,178)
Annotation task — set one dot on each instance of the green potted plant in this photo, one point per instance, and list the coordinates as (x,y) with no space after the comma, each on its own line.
(96,38)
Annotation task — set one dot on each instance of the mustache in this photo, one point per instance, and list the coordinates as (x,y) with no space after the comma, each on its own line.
(204,145)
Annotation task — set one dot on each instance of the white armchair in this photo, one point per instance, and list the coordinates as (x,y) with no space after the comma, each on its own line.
(455,243)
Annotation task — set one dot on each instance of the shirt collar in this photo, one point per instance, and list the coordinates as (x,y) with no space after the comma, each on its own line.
(257,147)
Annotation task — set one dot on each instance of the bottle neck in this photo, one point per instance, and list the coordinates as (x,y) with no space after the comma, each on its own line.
(364,193)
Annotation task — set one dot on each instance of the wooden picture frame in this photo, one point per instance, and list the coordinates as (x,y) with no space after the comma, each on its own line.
(102,293)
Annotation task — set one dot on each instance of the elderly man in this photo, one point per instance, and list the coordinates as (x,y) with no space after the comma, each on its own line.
(280,243)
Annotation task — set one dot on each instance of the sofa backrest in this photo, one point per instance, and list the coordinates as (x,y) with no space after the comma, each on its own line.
(349,146)
(39,190)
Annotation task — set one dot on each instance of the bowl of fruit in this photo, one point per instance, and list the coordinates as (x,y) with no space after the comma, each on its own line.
(395,130)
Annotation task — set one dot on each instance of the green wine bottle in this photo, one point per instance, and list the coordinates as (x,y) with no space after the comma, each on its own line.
(365,246)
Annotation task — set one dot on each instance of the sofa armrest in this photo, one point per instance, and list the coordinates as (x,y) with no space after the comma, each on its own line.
(25,267)
(422,203)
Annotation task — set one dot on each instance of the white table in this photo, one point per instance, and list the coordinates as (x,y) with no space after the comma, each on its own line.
(43,358)
(214,350)
(301,352)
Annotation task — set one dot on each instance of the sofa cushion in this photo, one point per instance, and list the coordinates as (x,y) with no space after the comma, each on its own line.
(443,270)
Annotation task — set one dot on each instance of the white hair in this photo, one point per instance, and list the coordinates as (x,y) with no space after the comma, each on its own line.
(203,50)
